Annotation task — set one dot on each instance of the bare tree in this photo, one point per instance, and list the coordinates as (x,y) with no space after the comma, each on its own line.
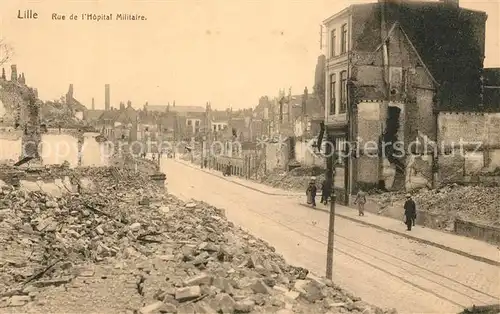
(6,51)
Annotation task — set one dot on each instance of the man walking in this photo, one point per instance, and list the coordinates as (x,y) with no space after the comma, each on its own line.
(325,192)
(361,201)
(410,212)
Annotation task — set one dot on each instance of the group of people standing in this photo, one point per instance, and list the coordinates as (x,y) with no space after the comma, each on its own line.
(312,191)
(410,208)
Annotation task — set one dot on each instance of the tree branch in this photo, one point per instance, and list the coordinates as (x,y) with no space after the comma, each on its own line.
(6,52)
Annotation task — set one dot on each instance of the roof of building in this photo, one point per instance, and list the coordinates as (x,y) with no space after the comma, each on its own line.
(313,105)
(127,115)
(218,115)
(109,115)
(187,109)
(93,114)
(145,117)
(450,41)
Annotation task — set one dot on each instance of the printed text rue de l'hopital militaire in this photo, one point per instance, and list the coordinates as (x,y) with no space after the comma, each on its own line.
(32,15)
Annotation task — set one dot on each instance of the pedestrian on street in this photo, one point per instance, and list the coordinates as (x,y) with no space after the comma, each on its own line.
(325,192)
(410,212)
(311,192)
(360,201)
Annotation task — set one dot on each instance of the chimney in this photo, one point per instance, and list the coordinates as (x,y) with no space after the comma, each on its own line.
(3,74)
(451,3)
(23,79)
(13,73)
(69,94)
(93,104)
(106,97)
(122,105)
(129,104)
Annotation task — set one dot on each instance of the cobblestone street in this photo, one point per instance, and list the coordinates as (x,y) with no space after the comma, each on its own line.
(382,268)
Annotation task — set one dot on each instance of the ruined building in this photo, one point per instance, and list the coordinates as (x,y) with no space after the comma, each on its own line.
(391,66)
(21,110)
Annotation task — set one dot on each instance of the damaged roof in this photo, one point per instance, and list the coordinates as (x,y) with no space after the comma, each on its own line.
(449,40)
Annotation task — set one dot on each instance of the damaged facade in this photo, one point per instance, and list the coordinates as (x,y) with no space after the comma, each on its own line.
(20,109)
(391,67)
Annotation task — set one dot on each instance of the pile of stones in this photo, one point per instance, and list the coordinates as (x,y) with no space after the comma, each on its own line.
(186,257)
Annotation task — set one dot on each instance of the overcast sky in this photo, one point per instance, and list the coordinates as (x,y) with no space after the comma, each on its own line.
(228,52)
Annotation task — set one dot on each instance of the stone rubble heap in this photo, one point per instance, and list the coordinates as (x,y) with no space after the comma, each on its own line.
(296,179)
(473,203)
(187,257)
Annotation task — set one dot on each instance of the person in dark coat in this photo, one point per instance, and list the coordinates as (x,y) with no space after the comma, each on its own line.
(311,191)
(410,212)
(325,192)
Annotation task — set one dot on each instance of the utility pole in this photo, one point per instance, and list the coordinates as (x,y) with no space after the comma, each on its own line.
(202,150)
(330,177)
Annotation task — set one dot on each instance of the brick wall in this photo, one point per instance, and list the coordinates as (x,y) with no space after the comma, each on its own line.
(482,129)
(369,128)
(471,127)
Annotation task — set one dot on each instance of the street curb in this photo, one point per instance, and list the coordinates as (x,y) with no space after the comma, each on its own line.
(238,183)
(441,246)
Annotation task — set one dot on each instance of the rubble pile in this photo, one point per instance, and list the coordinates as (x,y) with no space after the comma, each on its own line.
(59,114)
(472,203)
(37,230)
(296,179)
(186,257)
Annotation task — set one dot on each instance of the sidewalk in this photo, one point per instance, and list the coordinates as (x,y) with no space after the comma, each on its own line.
(471,248)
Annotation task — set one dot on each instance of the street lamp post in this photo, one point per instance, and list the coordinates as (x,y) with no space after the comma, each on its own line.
(330,177)
(203,139)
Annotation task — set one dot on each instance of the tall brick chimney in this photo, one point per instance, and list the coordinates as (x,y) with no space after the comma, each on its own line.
(93,104)
(69,94)
(107,99)
(13,73)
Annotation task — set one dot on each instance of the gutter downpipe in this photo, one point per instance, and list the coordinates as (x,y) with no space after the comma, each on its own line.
(385,57)
(347,144)
(435,150)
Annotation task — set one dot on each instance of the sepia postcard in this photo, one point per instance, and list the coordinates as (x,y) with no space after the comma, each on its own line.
(250,156)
